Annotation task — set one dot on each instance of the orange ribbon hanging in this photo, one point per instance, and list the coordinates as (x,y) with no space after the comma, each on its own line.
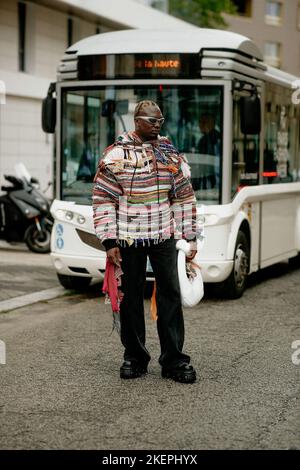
(153,306)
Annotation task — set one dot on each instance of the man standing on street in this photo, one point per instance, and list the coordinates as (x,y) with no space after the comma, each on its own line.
(142,202)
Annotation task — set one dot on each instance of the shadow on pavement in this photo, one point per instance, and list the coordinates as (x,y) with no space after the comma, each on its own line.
(271,272)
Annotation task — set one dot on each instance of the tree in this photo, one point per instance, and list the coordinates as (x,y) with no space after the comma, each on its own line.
(204,13)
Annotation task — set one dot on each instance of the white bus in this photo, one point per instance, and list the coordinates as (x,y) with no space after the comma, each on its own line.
(231,114)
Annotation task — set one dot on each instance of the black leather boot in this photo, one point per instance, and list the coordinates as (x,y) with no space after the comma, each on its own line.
(132,370)
(183,373)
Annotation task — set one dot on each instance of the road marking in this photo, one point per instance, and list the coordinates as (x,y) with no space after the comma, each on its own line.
(2,352)
(23,300)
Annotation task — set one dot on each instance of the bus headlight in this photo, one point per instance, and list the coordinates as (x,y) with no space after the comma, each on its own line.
(69,215)
(59,214)
(81,219)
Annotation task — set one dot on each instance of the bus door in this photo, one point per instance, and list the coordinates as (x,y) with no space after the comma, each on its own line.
(245,172)
(245,152)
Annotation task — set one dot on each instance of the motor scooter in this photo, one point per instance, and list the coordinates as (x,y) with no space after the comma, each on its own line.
(25,212)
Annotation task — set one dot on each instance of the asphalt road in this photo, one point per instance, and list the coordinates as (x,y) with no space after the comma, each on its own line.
(23,272)
(60,386)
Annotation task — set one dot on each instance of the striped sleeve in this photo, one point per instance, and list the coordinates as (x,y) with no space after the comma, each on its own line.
(183,206)
(106,193)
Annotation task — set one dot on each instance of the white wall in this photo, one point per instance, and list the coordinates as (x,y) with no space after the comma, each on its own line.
(50,40)
(21,139)
(21,136)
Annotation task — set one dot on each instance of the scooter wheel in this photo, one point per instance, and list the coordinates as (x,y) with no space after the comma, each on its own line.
(38,241)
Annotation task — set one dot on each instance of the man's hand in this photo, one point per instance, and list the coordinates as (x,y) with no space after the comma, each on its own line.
(191,255)
(114,256)
(193,251)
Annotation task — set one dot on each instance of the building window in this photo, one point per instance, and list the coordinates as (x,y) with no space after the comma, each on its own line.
(22,34)
(70,32)
(273,14)
(272,53)
(74,30)
(243,7)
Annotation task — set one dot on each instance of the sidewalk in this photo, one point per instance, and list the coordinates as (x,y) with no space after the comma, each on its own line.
(23,273)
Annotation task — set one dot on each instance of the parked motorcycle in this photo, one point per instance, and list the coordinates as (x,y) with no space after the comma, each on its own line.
(24,212)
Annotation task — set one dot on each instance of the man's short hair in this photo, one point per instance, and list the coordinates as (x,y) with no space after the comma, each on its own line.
(142,105)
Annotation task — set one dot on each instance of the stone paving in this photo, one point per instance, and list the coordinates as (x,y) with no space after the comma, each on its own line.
(23,272)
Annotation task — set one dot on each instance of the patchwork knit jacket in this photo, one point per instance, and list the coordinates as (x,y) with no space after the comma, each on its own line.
(142,192)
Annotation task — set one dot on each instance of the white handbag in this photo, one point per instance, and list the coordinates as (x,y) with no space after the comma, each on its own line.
(191,287)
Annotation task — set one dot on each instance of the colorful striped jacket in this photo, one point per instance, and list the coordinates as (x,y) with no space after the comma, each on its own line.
(142,191)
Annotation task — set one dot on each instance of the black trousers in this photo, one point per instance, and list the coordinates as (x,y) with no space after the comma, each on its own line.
(170,324)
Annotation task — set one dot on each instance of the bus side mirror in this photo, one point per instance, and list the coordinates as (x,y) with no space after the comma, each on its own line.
(49,111)
(122,107)
(108,108)
(250,115)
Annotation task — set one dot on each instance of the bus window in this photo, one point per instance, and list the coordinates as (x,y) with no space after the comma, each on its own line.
(245,153)
(93,118)
(281,137)
(80,144)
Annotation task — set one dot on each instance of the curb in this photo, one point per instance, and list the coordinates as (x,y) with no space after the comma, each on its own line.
(23,300)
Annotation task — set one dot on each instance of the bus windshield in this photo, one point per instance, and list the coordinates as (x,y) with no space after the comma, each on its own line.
(92,118)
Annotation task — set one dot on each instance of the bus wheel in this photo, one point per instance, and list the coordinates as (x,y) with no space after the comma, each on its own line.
(236,283)
(74,282)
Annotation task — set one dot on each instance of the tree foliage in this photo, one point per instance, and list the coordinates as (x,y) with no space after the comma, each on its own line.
(204,13)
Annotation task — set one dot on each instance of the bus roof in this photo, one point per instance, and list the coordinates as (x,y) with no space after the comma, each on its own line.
(281,77)
(223,54)
(146,41)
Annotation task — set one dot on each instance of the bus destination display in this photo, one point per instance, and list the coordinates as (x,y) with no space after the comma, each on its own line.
(138,66)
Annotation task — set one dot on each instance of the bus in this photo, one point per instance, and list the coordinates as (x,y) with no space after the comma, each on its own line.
(235,118)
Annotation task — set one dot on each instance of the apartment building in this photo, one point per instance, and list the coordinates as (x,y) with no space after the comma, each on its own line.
(275,26)
(33,37)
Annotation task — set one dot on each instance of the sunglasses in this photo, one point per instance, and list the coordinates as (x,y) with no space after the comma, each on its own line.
(151,120)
